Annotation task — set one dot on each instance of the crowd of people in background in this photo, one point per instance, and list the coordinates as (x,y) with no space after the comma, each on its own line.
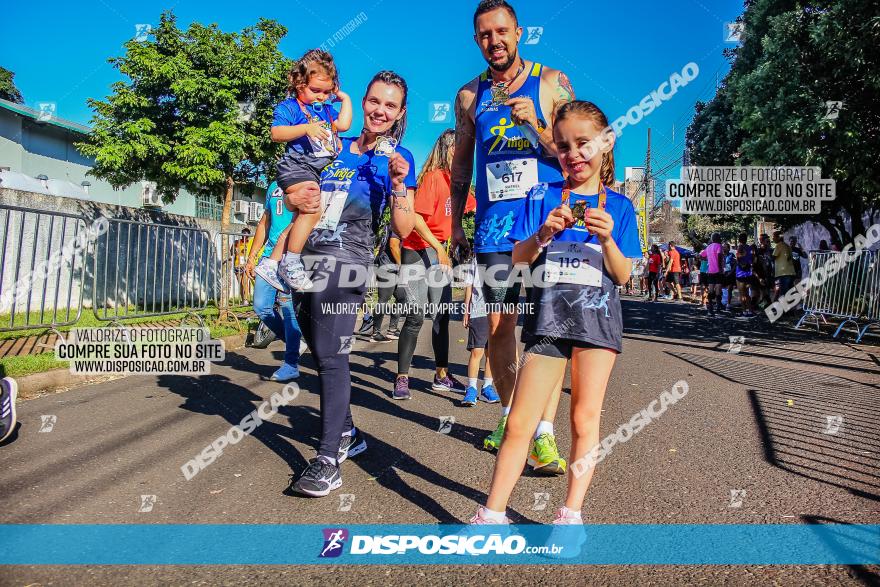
(721,275)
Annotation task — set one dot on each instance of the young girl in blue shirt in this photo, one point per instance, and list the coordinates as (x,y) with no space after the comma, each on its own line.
(581,236)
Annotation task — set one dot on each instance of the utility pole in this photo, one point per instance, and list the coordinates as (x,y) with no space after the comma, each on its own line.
(648,184)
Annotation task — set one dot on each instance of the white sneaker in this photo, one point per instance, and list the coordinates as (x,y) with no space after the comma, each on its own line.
(303,347)
(294,275)
(268,269)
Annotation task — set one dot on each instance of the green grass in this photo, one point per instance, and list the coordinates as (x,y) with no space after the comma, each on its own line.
(29,364)
(88,320)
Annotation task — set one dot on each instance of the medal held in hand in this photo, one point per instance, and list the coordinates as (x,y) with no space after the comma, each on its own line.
(500,95)
(579,208)
(385,146)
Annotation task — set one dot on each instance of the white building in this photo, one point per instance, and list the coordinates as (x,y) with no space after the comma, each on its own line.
(37,154)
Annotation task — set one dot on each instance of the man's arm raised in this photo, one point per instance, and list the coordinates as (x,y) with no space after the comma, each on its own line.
(463,160)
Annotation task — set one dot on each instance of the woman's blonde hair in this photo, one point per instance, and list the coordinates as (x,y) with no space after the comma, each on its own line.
(588,110)
(441,154)
(313,62)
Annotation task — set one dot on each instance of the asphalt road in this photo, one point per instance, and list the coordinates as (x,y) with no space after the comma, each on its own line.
(754,420)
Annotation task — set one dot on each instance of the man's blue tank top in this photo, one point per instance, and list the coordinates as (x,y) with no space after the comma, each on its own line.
(507,164)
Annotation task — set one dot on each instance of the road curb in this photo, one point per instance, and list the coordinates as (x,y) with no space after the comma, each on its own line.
(39,384)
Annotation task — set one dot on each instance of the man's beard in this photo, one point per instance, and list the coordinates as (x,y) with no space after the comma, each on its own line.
(504,66)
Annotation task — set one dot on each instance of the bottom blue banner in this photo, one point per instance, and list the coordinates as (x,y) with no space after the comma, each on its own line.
(190,544)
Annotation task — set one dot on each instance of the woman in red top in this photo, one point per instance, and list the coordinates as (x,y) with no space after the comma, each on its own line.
(655,263)
(426,284)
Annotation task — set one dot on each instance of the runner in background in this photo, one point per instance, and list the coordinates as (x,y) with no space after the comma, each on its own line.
(502,121)
(674,273)
(714,264)
(281,320)
(477,323)
(426,271)
(685,278)
(744,278)
(635,278)
(728,276)
(783,264)
(655,262)
(763,271)
(242,250)
(696,287)
(388,259)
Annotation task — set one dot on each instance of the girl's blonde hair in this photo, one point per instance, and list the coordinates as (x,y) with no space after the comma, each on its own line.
(313,62)
(441,154)
(589,111)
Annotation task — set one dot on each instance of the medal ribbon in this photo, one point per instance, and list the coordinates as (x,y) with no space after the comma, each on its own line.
(566,194)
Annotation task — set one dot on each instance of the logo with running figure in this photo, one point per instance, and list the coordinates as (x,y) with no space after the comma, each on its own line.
(334,540)
(533,35)
(493,229)
(515,143)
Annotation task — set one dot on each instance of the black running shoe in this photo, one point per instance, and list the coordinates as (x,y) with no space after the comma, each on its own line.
(263,337)
(366,326)
(319,479)
(351,446)
(8,393)
(393,334)
(379,337)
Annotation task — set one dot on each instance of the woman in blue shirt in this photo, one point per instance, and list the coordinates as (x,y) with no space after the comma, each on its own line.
(372,171)
(581,236)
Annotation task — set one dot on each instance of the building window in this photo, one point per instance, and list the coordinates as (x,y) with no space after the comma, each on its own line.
(209,208)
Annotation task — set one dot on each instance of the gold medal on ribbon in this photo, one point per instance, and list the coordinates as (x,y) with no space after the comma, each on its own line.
(385,146)
(499,95)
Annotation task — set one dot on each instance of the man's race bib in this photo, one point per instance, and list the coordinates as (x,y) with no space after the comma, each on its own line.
(332,202)
(573,262)
(511,180)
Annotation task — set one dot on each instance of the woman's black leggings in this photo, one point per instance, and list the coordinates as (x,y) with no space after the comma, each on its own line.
(385,291)
(652,283)
(329,332)
(418,295)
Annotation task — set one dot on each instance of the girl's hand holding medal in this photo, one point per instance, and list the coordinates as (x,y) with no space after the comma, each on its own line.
(600,223)
(558,220)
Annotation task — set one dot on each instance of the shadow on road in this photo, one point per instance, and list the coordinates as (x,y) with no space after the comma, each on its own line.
(864,574)
(217,395)
(817,426)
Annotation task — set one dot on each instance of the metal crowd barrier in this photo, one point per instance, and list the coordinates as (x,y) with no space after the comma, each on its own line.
(235,291)
(143,270)
(42,262)
(850,295)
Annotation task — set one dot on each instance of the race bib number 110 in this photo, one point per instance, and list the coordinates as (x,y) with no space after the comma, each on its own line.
(573,262)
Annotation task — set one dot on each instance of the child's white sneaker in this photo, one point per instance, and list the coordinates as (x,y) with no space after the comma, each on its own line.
(268,270)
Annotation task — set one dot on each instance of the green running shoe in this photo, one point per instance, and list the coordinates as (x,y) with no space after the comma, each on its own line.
(545,459)
(493,441)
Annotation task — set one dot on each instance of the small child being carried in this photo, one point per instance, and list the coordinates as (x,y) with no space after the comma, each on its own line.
(308,123)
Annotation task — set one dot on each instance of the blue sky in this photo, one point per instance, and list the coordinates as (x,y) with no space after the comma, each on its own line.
(614,52)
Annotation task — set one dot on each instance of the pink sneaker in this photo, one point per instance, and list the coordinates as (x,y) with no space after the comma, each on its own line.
(481,518)
(565,516)
(568,535)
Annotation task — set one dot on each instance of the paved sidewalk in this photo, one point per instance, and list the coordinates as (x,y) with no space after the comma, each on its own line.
(751,443)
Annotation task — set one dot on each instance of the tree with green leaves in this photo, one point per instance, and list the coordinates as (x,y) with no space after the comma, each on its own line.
(194,112)
(771,110)
(8,91)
